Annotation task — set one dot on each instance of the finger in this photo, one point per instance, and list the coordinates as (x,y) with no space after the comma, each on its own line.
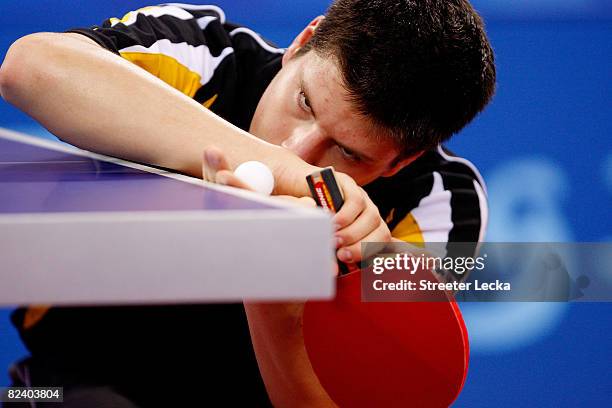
(307,202)
(207,173)
(216,158)
(228,178)
(367,222)
(354,205)
(336,271)
(352,253)
(214,161)
(304,201)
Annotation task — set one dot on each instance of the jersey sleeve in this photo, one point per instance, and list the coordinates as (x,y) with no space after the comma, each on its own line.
(183,45)
(454,210)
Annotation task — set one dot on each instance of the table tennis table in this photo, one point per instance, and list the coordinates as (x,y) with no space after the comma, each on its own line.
(81,228)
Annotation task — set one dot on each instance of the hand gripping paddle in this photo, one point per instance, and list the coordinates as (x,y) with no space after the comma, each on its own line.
(384,354)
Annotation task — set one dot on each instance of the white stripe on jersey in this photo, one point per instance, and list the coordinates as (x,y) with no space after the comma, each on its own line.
(153,12)
(257,38)
(433,214)
(196,59)
(210,7)
(204,21)
(484,210)
(481,191)
(467,163)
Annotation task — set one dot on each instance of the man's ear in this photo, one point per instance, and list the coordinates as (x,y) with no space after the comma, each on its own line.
(399,164)
(301,39)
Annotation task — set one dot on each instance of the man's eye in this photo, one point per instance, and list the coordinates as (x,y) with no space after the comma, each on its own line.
(348,154)
(304,102)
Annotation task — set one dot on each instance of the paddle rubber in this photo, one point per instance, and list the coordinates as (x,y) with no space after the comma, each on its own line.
(386,354)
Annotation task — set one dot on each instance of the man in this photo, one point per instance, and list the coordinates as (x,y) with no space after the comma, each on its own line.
(373,88)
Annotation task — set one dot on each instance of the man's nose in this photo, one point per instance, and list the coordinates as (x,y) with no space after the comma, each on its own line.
(309,146)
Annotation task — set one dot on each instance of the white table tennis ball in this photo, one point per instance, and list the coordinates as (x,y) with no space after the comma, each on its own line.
(257,176)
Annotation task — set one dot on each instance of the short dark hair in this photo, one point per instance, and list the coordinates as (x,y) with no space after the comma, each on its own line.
(422,69)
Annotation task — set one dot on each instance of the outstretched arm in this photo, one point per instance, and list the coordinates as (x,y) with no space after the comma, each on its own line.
(96,100)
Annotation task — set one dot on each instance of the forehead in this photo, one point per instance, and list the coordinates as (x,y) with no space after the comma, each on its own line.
(336,114)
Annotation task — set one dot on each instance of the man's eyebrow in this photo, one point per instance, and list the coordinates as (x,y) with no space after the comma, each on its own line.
(307,93)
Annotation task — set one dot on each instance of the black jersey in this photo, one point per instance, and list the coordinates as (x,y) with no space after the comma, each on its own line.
(226,68)
(223,66)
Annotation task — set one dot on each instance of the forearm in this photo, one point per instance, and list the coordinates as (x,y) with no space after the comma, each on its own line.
(98,101)
(276,333)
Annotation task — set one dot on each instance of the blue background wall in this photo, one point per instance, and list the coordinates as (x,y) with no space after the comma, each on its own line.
(544,147)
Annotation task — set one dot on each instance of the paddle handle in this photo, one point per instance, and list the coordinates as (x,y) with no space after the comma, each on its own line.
(327,194)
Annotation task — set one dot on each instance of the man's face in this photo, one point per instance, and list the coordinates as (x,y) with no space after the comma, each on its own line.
(305,109)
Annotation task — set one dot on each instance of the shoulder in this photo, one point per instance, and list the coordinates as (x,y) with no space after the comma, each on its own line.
(247,41)
(452,171)
(440,197)
(194,48)
(193,32)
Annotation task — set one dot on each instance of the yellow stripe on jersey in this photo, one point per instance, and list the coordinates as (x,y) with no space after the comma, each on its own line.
(408,230)
(178,64)
(208,103)
(168,70)
(33,315)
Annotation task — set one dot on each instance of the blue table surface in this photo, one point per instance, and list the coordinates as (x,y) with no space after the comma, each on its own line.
(38,180)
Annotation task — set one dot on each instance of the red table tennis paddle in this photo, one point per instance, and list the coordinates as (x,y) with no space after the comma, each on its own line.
(386,354)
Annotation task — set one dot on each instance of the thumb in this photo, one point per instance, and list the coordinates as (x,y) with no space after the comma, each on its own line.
(213,160)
